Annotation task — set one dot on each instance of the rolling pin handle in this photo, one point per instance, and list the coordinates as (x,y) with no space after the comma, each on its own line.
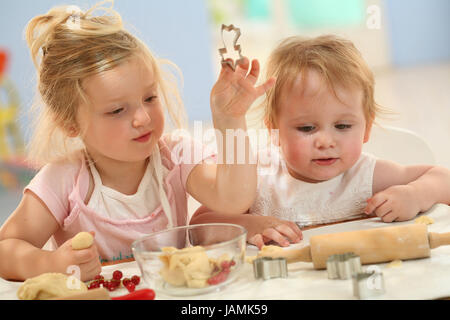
(291,255)
(303,255)
(438,239)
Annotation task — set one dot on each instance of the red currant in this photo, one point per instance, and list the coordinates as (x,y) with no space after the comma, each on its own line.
(115,283)
(117,275)
(93,285)
(108,285)
(220,277)
(130,286)
(135,279)
(125,281)
(225,264)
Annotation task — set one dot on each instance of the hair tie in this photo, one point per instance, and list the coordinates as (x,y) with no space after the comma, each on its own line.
(75,15)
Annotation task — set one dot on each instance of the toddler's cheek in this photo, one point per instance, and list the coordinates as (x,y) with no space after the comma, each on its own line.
(353,153)
(295,155)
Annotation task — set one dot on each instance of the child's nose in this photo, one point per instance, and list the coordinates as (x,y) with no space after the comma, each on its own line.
(141,117)
(324,140)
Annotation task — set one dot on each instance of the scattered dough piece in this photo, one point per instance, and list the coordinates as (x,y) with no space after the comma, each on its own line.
(82,240)
(49,285)
(424,220)
(395,264)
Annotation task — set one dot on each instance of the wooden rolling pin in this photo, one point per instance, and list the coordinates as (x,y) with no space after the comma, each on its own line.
(373,246)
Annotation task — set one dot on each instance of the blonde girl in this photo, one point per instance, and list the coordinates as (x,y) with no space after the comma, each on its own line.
(106,166)
(321,110)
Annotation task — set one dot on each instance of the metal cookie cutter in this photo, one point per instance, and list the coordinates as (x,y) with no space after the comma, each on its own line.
(343,266)
(368,284)
(236,46)
(268,268)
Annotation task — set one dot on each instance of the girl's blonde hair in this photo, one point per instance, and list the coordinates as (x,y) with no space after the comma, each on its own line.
(337,60)
(68,45)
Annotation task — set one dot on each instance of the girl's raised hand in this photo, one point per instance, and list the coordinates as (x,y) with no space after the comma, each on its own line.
(235,91)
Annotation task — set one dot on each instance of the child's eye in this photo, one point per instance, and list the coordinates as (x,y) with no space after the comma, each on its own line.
(343,126)
(117,111)
(150,99)
(306,128)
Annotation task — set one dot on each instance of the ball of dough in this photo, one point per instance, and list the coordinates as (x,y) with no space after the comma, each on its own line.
(82,240)
(50,285)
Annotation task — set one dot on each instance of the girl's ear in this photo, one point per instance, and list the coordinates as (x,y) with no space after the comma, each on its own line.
(367,132)
(72,132)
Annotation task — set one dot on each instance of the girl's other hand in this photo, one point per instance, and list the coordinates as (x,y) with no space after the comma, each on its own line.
(265,229)
(86,259)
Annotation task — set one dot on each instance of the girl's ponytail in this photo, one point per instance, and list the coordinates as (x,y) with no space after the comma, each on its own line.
(41,28)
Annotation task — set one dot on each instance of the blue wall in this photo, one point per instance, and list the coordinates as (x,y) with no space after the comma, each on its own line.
(419,31)
(174,29)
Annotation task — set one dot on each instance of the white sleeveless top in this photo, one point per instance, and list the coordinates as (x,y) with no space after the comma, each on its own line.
(341,198)
(116,205)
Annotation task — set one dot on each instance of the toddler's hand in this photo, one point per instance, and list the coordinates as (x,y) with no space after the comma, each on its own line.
(235,91)
(266,229)
(396,203)
(86,259)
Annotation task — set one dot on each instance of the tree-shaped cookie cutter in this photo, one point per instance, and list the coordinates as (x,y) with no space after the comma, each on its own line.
(236,46)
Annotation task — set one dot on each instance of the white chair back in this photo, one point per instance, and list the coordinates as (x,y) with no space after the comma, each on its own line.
(399,145)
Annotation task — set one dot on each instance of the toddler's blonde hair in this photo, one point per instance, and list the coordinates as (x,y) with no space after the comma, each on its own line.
(336,59)
(68,45)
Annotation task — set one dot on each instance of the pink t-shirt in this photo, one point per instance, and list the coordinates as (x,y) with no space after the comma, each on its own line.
(63,187)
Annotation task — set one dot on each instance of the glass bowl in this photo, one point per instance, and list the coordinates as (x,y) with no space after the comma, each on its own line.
(193,259)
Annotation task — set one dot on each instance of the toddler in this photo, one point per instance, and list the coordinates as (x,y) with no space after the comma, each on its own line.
(106,166)
(320,113)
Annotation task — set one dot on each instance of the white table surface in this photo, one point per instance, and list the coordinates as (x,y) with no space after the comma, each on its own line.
(427,278)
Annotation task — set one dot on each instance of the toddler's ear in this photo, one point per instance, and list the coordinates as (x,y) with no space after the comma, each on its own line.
(273,132)
(267,123)
(368,130)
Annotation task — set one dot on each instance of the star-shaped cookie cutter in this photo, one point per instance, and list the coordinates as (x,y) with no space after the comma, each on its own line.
(236,46)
